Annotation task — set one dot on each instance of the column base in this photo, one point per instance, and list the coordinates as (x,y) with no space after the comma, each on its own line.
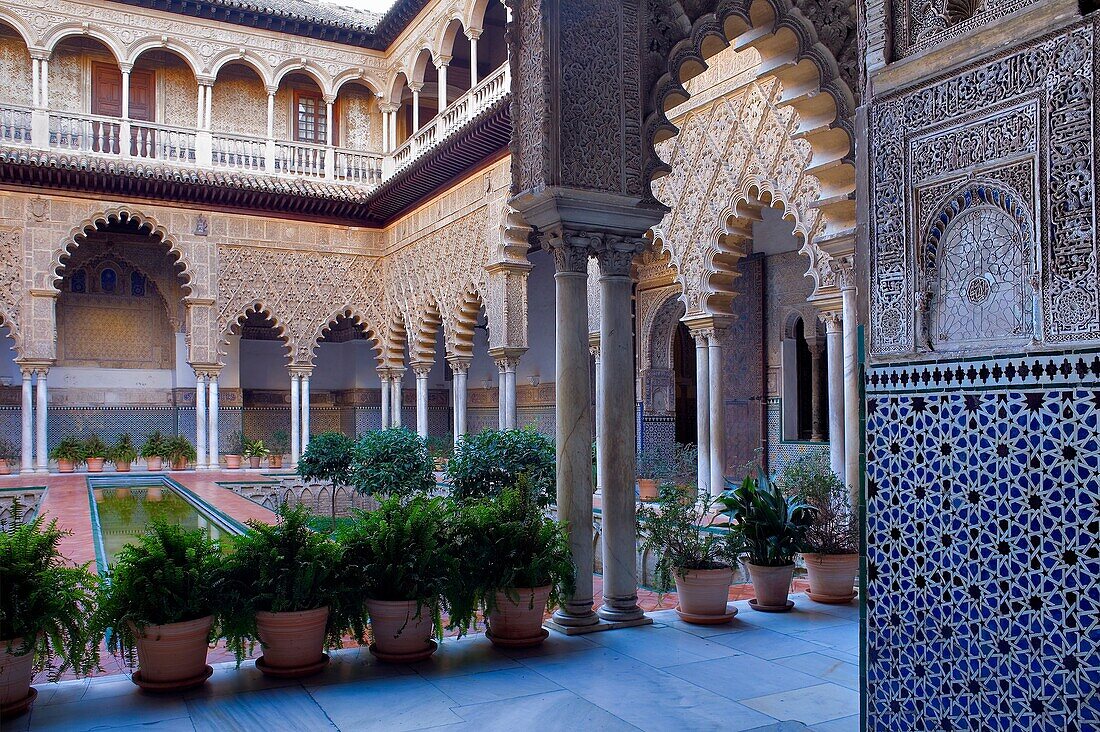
(598,626)
(26,471)
(612,614)
(42,471)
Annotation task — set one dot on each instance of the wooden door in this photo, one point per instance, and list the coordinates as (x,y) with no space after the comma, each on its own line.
(107,102)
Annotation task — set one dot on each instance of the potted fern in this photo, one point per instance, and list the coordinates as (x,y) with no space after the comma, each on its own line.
(255,451)
(152,451)
(769,529)
(45,609)
(280,446)
(692,555)
(831,549)
(179,452)
(393,462)
(513,564)
(68,452)
(96,453)
(400,557)
(283,587)
(160,604)
(123,453)
(234,448)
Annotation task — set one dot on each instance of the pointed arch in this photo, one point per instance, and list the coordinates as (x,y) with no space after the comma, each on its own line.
(260,308)
(360,319)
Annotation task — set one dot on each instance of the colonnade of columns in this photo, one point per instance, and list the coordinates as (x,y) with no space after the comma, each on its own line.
(34,457)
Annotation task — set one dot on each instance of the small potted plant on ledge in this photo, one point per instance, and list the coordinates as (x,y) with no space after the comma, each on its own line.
(123,453)
(255,451)
(152,451)
(691,554)
(393,462)
(234,448)
(400,557)
(493,460)
(328,457)
(68,452)
(159,602)
(831,550)
(654,464)
(179,452)
(96,453)
(514,564)
(283,587)
(8,456)
(280,446)
(769,529)
(45,609)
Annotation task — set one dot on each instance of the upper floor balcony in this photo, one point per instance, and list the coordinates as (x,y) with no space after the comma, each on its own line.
(79,97)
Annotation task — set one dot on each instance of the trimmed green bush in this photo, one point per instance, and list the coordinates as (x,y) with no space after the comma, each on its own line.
(393,462)
(493,461)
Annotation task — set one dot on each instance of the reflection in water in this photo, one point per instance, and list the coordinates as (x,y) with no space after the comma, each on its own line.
(125,512)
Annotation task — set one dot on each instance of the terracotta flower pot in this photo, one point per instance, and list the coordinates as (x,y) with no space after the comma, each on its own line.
(154,464)
(5,468)
(704,596)
(772,585)
(95,464)
(65,466)
(518,623)
(647,489)
(401,635)
(179,464)
(233,462)
(16,694)
(293,642)
(275,461)
(122,466)
(173,656)
(832,577)
(254,462)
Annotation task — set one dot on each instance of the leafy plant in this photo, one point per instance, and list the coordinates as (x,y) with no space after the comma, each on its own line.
(503,543)
(70,449)
(682,536)
(391,462)
(46,602)
(154,445)
(255,448)
(401,551)
(280,442)
(123,450)
(234,443)
(672,462)
(765,524)
(95,447)
(493,460)
(835,527)
(285,567)
(328,457)
(179,448)
(440,447)
(8,450)
(168,575)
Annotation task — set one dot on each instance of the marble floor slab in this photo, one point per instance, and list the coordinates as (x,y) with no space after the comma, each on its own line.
(784,674)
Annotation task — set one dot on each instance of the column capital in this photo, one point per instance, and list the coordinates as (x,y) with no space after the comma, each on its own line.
(833,321)
(40,54)
(416,86)
(300,372)
(272,90)
(207,81)
(570,248)
(706,326)
(206,370)
(442,62)
(842,271)
(473,33)
(125,67)
(616,253)
(35,367)
(459,364)
(507,364)
(422,368)
(388,107)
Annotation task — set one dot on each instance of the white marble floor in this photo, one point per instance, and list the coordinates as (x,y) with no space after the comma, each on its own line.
(798,671)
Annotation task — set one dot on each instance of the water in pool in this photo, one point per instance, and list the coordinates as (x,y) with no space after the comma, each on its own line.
(124,513)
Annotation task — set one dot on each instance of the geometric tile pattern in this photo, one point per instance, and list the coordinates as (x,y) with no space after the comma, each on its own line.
(782,453)
(983,512)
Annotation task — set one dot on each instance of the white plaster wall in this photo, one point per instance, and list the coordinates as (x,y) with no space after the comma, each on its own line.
(230,376)
(263,365)
(77,377)
(185,375)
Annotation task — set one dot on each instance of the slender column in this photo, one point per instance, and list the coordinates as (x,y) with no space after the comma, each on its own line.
(396,399)
(473,36)
(717,416)
(835,350)
(573,417)
(212,416)
(594,348)
(295,418)
(36,83)
(26,418)
(271,112)
(702,407)
(616,431)
(305,411)
(851,380)
(460,367)
(502,389)
(393,130)
(45,94)
(328,123)
(125,93)
(209,103)
(816,432)
(200,105)
(422,370)
(385,377)
(41,416)
(200,421)
(441,71)
(511,416)
(416,108)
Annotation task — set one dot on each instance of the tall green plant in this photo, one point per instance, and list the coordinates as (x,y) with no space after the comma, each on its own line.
(46,602)
(285,567)
(69,448)
(154,445)
(95,447)
(393,462)
(765,524)
(328,457)
(179,448)
(835,527)
(681,535)
(123,451)
(493,460)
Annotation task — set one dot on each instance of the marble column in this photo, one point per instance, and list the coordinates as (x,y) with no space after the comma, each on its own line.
(386,389)
(26,418)
(460,367)
(422,370)
(851,381)
(702,408)
(200,421)
(41,415)
(305,412)
(441,85)
(717,415)
(213,435)
(816,432)
(616,431)
(416,108)
(834,346)
(396,397)
(473,36)
(295,422)
(594,347)
(511,418)
(502,389)
(573,418)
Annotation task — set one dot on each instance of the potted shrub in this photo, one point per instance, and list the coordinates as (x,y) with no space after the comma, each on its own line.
(152,450)
(280,445)
(654,463)
(123,453)
(159,602)
(234,448)
(8,456)
(514,564)
(831,549)
(769,528)
(255,451)
(691,555)
(96,453)
(492,460)
(328,457)
(68,452)
(283,588)
(179,452)
(393,462)
(400,558)
(45,609)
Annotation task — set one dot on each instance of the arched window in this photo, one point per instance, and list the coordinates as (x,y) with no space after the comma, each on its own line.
(79,281)
(108,280)
(137,284)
